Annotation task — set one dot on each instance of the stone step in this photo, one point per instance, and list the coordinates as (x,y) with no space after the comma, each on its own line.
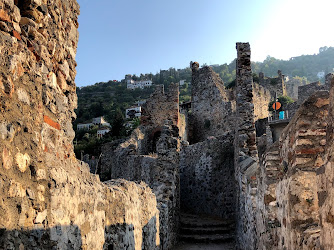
(205,230)
(196,238)
(203,223)
(189,220)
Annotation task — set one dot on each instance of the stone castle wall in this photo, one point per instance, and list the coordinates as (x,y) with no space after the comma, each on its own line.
(261,100)
(151,155)
(307,90)
(290,171)
(212,106)
(48,199)
(274,85)
(292,87)
(325,177)
(285,199)
(158,170)
(246,153)
(162,105)
(207,177)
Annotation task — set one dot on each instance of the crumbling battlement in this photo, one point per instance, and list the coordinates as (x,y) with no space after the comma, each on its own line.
(212,106)
(246,153)
(161,106)
(292,87)
(284,201)
(274,85)
(158,170)
(307,90)
(261,100)
(48,199)
(291,200)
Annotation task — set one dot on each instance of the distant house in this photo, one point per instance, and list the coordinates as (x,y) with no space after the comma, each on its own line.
(321,74)
(100,121)
(87,126)
(132,84)
(286,78)
(182,82)
(95,121)
(141,102)
(102,131)
(133,112)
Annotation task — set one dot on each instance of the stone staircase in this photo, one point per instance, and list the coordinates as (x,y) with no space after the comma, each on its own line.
(272,163)
(205,229)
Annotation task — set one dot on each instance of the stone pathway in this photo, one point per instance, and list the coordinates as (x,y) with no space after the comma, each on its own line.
(205,233)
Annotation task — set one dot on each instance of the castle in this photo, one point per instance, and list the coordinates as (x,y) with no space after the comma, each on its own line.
(219,157)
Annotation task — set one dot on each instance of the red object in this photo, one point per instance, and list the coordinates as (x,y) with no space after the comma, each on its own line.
(16,34)
(52,123)
(277,105)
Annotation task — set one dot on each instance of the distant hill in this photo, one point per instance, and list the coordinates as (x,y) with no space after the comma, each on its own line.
(303,66)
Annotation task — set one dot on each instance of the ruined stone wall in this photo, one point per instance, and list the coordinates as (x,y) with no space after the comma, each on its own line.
(292,87)
(307,90)
(274,85)
(261,99)
(162,106)
(325,178)
(207,177)
(151,154)
(291,199)
(212,106)
(246,154)
(158,170)
(48,199)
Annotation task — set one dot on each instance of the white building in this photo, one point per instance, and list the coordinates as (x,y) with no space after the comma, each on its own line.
(182,82)
(84,126)
(140,103)
(133,112)
(321,74)
(102,131)
(95,121)
(132,84)
(100,121)
(139,84)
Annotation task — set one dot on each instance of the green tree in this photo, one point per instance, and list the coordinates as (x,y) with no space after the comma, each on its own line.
(117,128)
(284,100)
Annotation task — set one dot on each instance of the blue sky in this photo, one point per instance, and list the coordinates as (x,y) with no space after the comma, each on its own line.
(119,37)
